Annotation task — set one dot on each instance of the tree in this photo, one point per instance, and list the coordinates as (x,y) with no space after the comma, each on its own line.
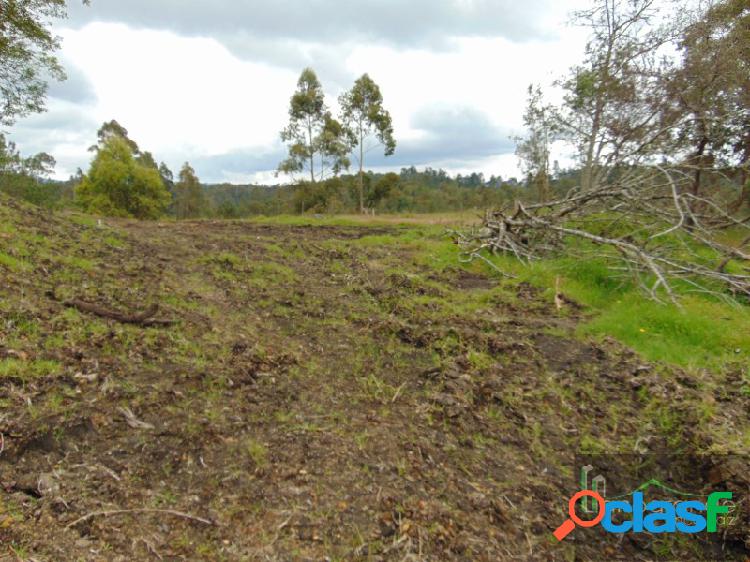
(189,200)
(38,166)
(643,126)
(383,188)
(147,159)
(117,185)
(167,178)
(312,131)
(710,91)
(27,59)
(611,109)
(114,129)
(534,149)
(24,177)
(363,114)
(334,144)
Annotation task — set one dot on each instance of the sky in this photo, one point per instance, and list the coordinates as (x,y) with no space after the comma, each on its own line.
(209,81)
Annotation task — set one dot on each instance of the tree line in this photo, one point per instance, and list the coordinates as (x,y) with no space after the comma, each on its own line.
(124,180)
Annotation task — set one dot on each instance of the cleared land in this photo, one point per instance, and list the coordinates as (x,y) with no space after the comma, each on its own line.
(337,390)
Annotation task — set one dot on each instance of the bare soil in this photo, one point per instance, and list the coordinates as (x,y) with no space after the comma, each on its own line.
(319,398)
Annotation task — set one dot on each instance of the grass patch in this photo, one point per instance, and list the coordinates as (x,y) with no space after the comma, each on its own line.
(257,452)
(28,370)
(83,220)
(78,263)
(702,333)
(11,263)
(270,274)
(114,242)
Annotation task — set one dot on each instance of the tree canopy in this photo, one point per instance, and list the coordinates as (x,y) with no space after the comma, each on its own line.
(363,114)
(313,133)
(27,55)
(118,185)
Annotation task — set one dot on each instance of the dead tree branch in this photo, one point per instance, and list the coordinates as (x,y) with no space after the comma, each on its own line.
(145,318)
(647,223)
(144,510)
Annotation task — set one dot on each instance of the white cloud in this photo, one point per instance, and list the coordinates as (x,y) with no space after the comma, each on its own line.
(179,94)
(189,97)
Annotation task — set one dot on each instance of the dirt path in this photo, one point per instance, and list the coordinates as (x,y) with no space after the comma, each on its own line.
(323,396)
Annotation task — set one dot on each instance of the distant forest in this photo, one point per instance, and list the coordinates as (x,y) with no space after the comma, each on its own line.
(410,191)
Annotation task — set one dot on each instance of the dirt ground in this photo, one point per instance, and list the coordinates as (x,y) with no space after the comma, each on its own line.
(325,393)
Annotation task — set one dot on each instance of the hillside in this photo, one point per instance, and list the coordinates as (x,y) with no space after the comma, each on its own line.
(332,392)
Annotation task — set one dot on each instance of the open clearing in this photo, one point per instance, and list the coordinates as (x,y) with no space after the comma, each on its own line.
(328,392)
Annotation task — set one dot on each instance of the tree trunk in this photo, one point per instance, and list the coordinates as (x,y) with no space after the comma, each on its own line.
(361,173)
(696,187)
(699,166)
(745,193)
(592,154)
(542,184)
(312,152)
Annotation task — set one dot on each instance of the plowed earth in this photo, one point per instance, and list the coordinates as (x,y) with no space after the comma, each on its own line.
(326,393)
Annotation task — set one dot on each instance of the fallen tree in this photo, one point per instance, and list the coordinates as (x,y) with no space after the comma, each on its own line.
(651,229)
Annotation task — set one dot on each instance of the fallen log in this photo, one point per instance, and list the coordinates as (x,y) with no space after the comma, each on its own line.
(145,318)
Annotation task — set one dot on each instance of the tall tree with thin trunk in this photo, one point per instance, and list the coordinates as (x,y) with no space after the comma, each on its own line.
(363,114)
(306,118)
(316,140)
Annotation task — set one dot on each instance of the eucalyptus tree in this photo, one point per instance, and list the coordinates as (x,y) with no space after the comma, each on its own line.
(313,132)
(111,129)
(364,115)
(118,185)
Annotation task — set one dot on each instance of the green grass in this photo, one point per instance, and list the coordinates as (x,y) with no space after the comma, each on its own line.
(78,263)
(28,370)
(257,451)
(114,242)
(11,263)
(269,274)
(703,332)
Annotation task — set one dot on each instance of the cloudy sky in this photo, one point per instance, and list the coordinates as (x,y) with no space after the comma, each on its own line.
(209,81)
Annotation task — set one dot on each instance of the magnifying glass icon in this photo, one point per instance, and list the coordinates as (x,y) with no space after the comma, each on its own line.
(567,527)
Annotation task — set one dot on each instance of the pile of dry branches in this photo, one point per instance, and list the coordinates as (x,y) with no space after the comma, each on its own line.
(643,220)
